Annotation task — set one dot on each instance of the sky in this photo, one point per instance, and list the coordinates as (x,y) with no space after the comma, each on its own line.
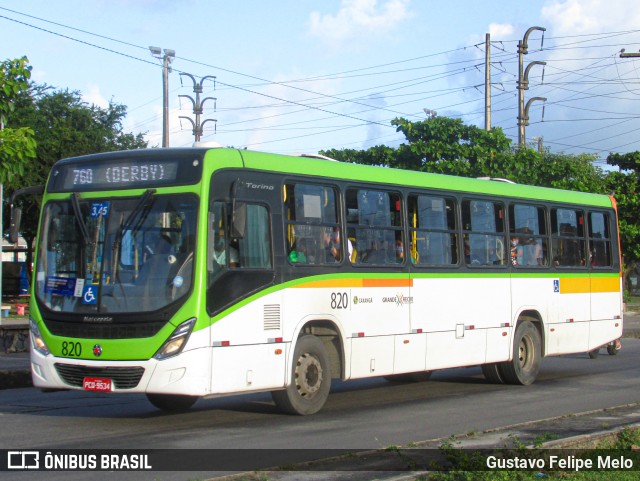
(300,76)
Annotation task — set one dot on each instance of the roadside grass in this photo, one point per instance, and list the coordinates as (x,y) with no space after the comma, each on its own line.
(472,465)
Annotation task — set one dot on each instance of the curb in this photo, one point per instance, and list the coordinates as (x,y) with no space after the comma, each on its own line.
(580,441)
(15,379)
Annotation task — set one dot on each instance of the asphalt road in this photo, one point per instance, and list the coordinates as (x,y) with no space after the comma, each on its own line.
(364,414)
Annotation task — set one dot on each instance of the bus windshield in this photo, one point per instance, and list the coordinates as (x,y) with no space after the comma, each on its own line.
(123,255)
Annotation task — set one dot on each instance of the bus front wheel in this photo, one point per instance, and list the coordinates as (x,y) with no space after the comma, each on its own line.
(310,379)
(172,402)
(527,356)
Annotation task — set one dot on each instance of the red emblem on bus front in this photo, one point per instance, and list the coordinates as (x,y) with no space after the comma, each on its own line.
(97,350)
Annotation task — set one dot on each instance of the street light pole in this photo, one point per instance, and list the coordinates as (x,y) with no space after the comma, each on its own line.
(198,104)
(167,58)
(523,82)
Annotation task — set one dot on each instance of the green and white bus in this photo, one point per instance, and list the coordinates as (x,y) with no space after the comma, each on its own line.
(187,273)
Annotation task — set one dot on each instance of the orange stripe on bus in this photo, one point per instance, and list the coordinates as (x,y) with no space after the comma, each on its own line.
(607,284)
(342,283)
(585,285)
(577,285)
(387,282)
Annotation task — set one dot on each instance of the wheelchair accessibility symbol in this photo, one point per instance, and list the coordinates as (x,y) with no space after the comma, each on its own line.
(90,295)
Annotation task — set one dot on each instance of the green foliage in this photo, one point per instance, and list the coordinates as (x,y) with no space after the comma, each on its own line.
(628,161)
(625,188)
(447,146)
(14,79)
(17,145)
(56,125)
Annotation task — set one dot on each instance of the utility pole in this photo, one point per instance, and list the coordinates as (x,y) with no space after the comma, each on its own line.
(487,82)
(167,58)
(431,114)
(198,104)
(523,84)
(540,144)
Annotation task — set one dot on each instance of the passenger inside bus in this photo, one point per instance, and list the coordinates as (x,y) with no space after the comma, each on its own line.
(332,246)
(298,253)
(399,251)
(220,252)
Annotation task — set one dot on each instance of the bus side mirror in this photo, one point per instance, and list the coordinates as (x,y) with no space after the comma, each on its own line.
(239,220)
(16,212)
(14,226)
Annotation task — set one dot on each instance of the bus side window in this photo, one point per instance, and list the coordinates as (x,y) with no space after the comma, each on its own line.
(567,238)
(528,235)
(374,223)
(599,240)
(432,230)
(313,233)
(483,225)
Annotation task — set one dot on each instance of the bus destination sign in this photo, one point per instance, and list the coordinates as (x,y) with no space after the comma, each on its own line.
(103,175)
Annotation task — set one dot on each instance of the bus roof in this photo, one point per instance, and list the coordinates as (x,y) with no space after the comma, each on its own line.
(356,172)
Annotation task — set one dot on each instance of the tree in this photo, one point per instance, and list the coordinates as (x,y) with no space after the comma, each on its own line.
(17,144)
(64,126)
(438,144)
(447,146)
(625,187)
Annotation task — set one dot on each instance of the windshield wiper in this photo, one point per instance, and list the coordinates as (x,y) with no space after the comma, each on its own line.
(76,210)
(143,204)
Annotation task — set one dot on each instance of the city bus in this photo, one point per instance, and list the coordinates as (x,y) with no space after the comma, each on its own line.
(196,272)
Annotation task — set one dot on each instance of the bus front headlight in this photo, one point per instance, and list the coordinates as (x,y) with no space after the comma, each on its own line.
(176,342)
(36,339)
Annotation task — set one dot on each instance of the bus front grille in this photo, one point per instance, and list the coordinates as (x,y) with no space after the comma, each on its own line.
(122,377)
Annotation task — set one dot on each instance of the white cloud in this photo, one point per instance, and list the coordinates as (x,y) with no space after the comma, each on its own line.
(501,31)
(93,97)
(359,17)
(576,17)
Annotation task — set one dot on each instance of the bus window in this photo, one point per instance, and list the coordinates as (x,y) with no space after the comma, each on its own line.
(252,251)
(599,240)
(374,226)
(255,247)
(432,226)
(567,238)
(483,223)
(527,233)
(313,232)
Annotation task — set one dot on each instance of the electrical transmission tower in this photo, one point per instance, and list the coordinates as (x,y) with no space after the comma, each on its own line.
(198,104)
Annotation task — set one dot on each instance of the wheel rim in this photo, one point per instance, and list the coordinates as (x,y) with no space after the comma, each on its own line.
(308,375)
(525,352)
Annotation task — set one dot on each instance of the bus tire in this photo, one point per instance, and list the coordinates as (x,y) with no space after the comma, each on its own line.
(611,350)
(492,373)
(419,376)
(172,402)
(594,353)
(310,379)
(527,356)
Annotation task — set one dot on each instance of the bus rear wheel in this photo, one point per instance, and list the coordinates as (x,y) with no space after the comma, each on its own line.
(172,402)
(310,379)
(492,373)
(527,356)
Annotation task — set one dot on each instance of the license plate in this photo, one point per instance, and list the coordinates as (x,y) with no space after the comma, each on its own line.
(97,384)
